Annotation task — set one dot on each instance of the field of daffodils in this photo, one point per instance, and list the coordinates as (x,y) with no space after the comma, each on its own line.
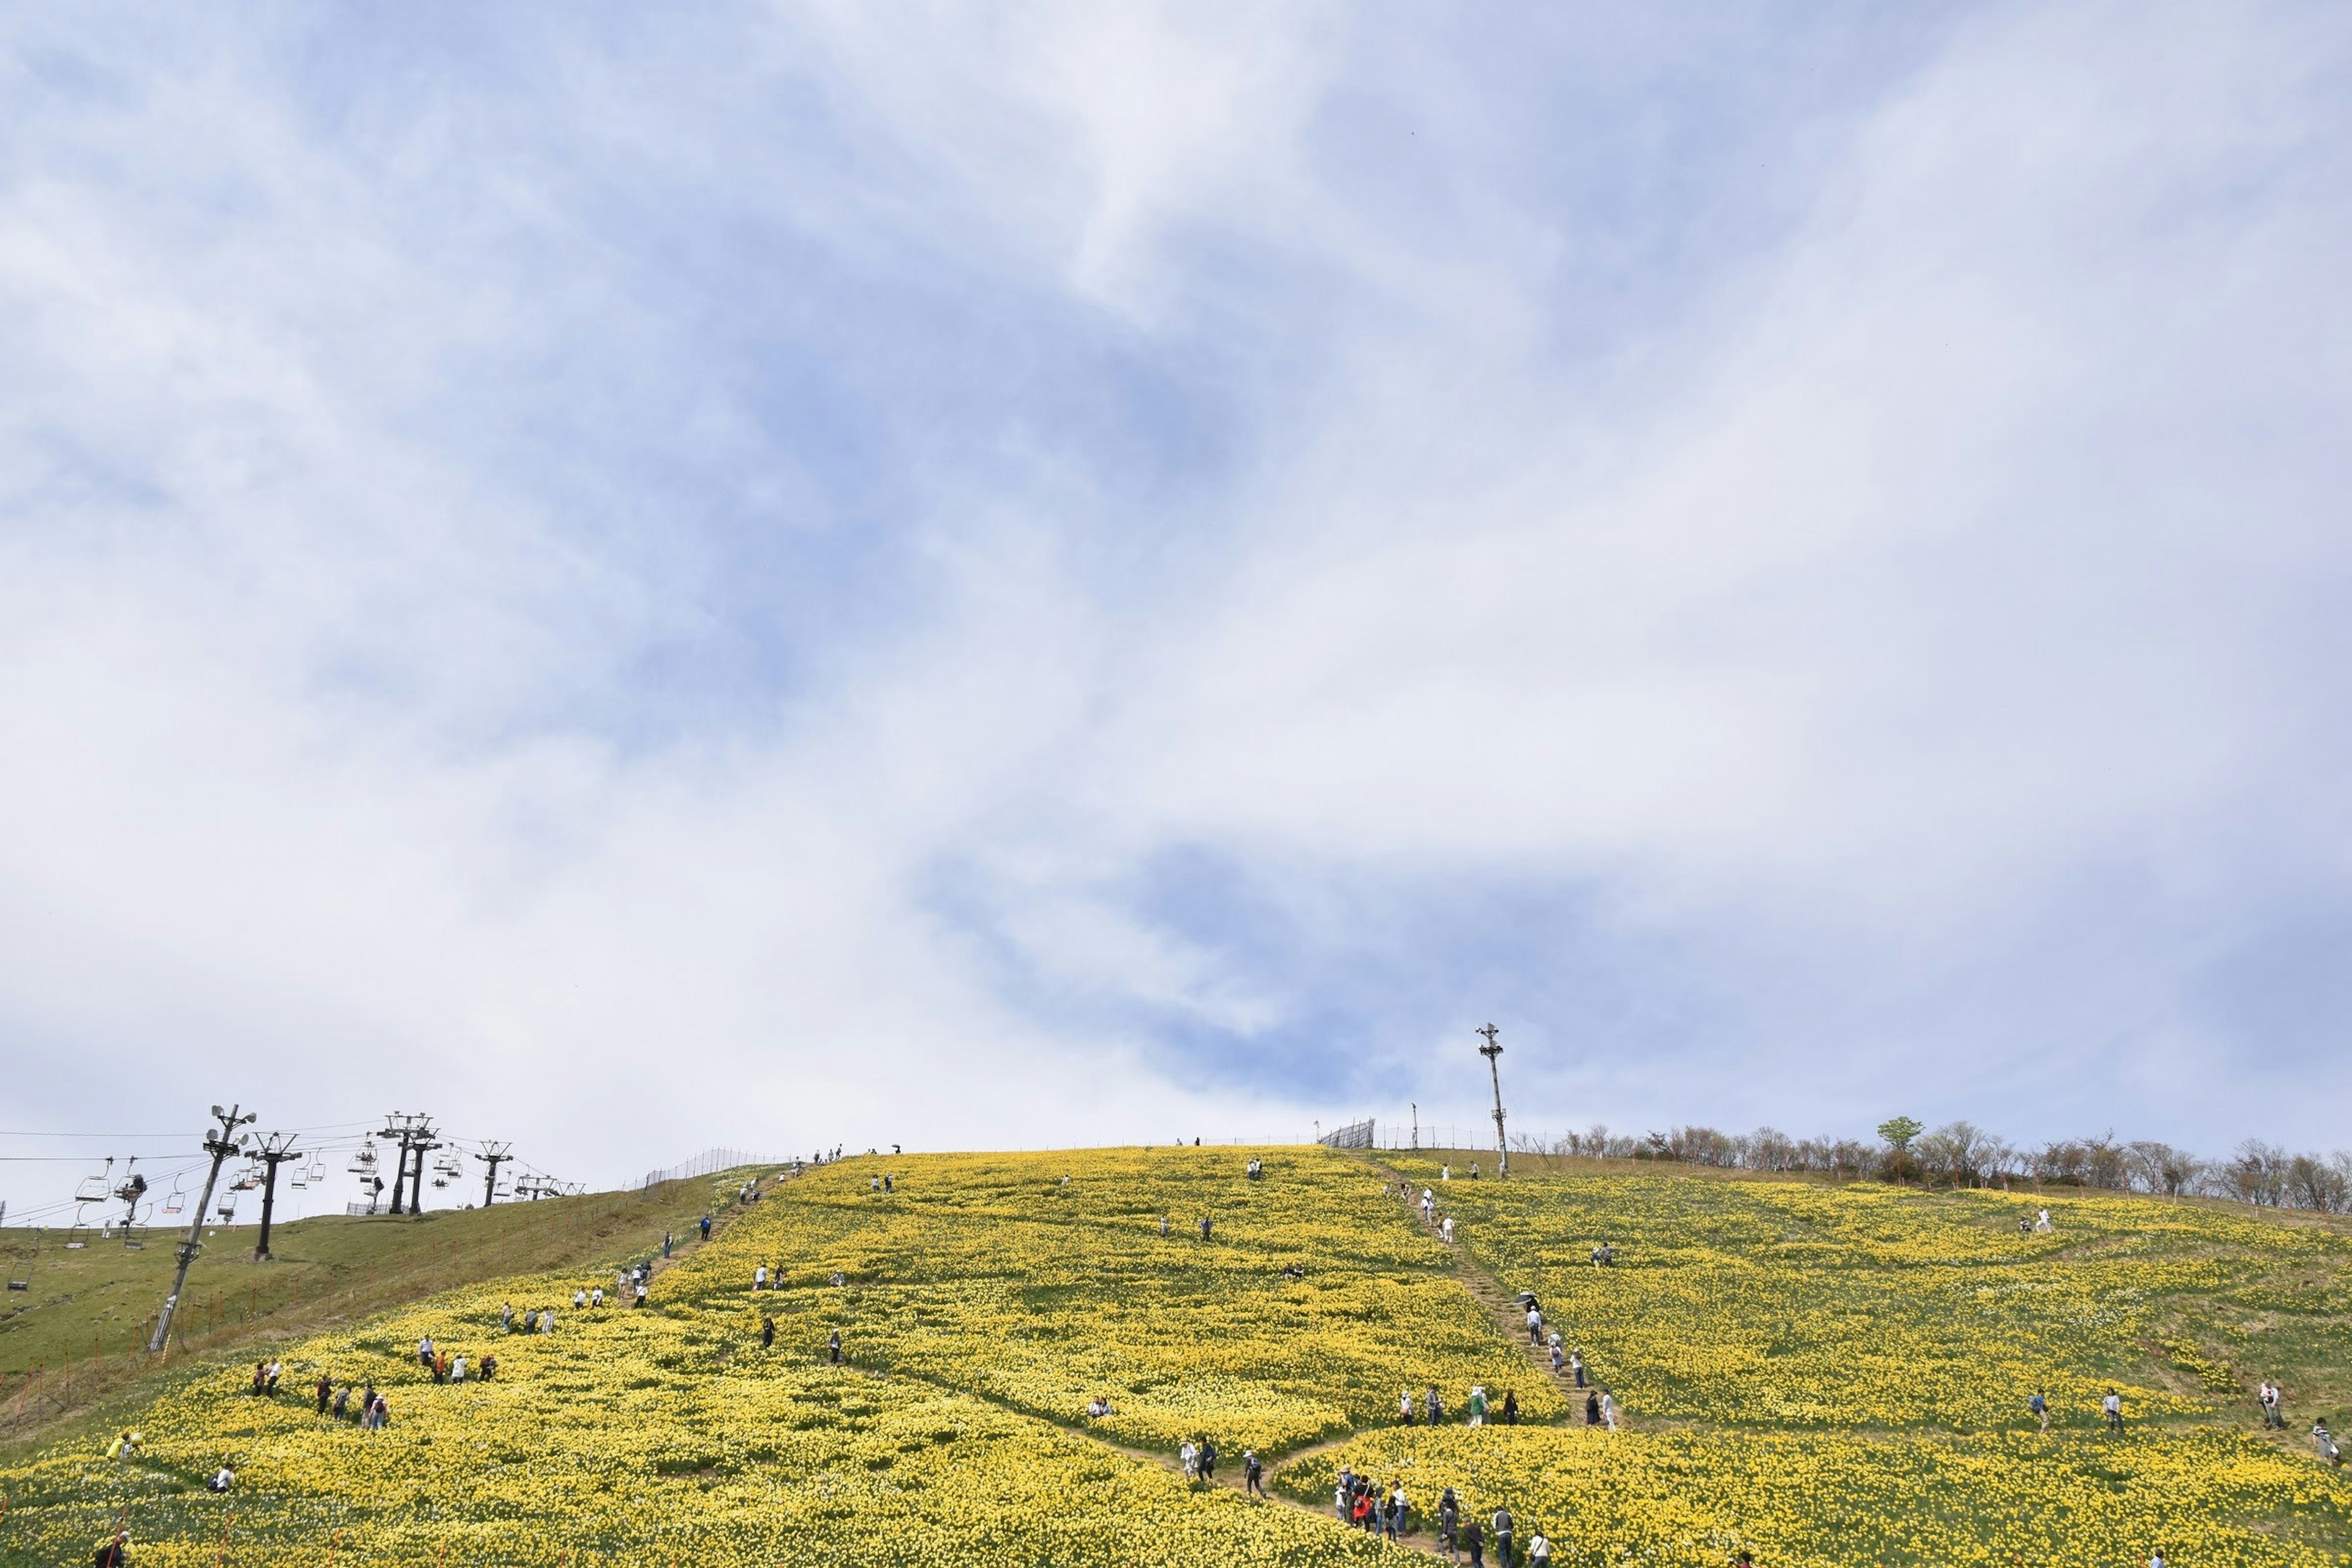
(1815,1375)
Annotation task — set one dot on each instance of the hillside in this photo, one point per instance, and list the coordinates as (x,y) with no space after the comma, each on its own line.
(75,1338)
(1820,1374)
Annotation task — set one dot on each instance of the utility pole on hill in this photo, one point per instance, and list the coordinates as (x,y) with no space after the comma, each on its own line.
(220,1145)
(275,1151)
(1491,1050)
(493,1155)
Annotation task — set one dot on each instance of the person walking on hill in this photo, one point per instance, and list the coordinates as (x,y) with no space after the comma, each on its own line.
(1609,1411)
(1449,1521)
(1189,1457)
(325,1391)
(1204,1227)
(833,1346)
(1474,1542)
(2324,1441)
(669,1240)
(1209,1460)
(1398,1505)
(2040,1406)
(457,1368)
(1535,1326)
(1445,1230)
(1538,1550)
(1510,1407)
(705,1228)
(767,1330)
(1559,1356)
(1343,1496)
(1435,1406)
(1576,1365)
(2273,1400)
(1504,1529)
(1477,1405)
(1592,1410)
(2042,1224)
(1253,1474)
(1404,1408)
(2113,1405)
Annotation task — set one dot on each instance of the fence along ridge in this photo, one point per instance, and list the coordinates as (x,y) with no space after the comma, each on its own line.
(711,1161)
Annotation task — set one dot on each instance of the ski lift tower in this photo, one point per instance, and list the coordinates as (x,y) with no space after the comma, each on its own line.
(220,1145)
(416,1134)
(493,1155)
(1492,1050)
(273,1151)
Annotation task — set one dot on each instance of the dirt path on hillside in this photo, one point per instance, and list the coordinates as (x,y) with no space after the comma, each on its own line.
(1502,1305)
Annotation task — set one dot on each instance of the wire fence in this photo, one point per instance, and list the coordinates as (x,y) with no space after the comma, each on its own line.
(709,1163)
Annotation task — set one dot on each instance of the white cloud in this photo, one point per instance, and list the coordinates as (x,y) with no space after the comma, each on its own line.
(1936,585)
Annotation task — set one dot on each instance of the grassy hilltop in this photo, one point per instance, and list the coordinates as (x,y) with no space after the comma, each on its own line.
(1818,1374)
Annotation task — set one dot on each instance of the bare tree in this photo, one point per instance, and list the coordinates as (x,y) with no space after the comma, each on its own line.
(2161,1168)
(2314,1183)
(2258,1174)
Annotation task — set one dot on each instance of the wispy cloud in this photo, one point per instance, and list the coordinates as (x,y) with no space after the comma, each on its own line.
(835,574)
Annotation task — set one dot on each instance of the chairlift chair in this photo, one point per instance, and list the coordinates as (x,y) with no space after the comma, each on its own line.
(176,1200)
(96,1189)
(227,1209)
(363,1162)
(317,1174)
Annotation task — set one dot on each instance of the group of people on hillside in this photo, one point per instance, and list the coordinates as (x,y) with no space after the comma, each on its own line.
(1477,1408)
(443,1367)
(535,1320)
(1386,1511)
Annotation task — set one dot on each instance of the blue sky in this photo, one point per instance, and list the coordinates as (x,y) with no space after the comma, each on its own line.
(1060,575)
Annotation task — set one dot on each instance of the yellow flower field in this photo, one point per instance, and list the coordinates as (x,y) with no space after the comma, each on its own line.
(631,1435)
(991,1271)
(1779,1303)
(1816,1500)
(1821,1377)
